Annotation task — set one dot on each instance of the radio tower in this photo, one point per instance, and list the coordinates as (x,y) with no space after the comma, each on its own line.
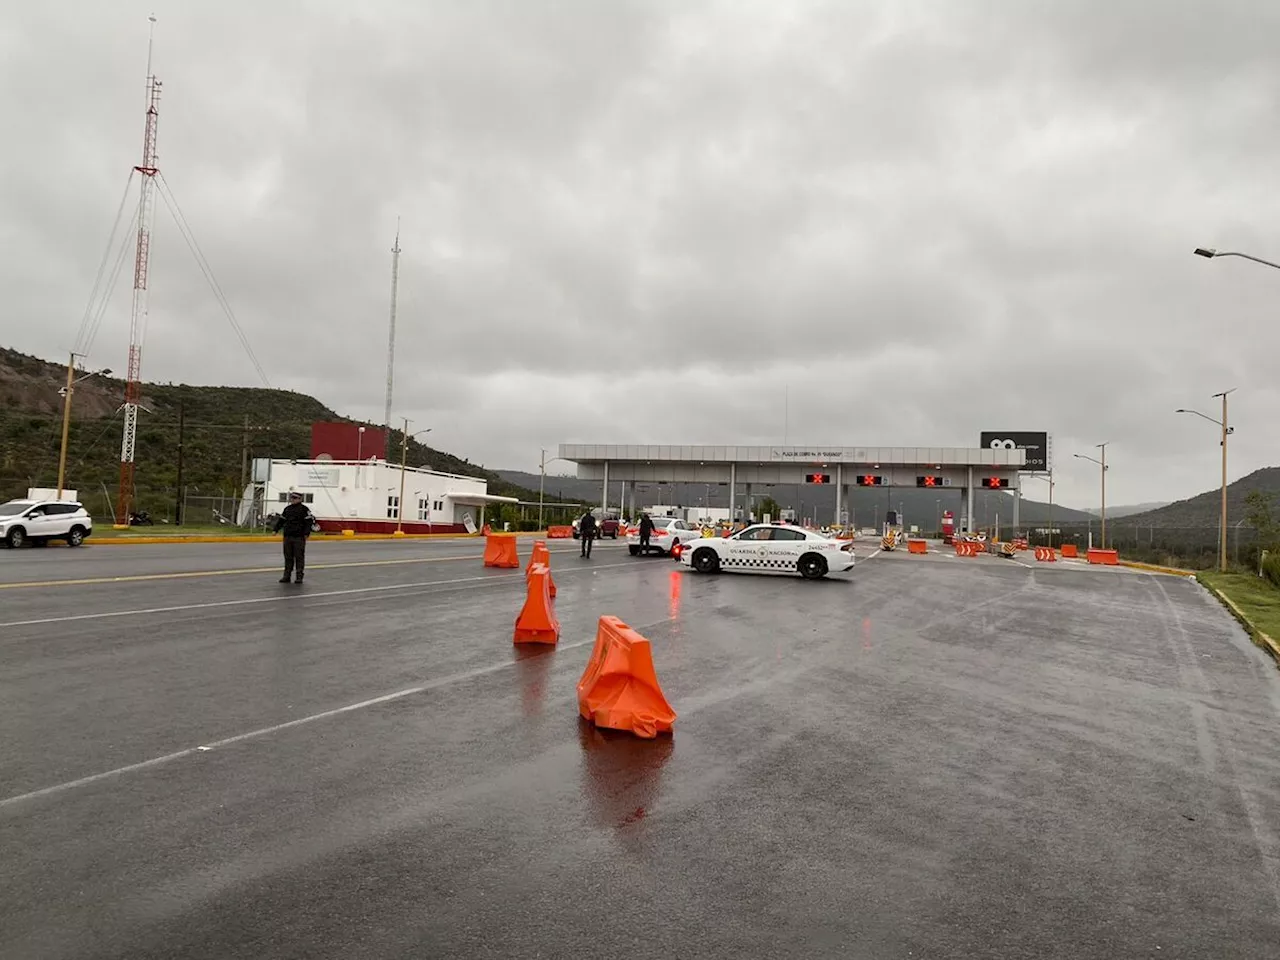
(138,319)
(391,346)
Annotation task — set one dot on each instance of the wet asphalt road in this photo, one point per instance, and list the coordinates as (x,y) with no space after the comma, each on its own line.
(924,758)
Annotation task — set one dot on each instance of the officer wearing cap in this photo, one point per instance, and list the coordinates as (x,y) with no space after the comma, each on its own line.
(295,520)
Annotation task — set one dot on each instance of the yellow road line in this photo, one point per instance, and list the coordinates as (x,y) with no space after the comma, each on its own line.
(193,574)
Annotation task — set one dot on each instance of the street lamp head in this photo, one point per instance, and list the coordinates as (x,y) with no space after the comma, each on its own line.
(1206,252)
(106,372)
(1180,410)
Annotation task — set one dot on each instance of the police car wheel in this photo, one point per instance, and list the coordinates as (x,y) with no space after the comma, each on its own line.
(812,567)
(634,551)
(706,561)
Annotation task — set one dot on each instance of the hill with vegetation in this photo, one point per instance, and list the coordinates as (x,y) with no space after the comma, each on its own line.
(222,427)
(1205,510)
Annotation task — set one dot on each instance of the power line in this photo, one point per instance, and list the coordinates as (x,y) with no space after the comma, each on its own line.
(97,280)
(180,219)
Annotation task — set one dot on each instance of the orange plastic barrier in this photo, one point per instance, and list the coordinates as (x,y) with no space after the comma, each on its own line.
(968,548)
(559,533)
(1069,550)
(619,689)
(1046,554)
(917,546)
(537,622)
(500,551)
(1020,543)
(541,555)
(1108,558)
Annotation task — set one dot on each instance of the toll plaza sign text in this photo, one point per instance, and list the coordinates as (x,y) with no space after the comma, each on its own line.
(819,455)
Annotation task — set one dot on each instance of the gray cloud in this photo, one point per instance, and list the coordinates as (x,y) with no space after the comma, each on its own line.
(650,221)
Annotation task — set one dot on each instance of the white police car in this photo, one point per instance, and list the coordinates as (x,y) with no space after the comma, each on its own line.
(770,548)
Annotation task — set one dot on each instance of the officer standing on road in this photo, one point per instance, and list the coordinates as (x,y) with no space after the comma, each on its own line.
(646,528)
(587,531)
(295,520)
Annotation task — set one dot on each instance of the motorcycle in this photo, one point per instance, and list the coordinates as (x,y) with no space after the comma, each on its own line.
(141,518)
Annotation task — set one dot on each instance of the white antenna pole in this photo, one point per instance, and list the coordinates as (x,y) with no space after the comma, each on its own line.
(391,345)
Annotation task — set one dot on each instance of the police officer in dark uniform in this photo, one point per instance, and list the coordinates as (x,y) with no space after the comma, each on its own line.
(587,531)
(295,520)
(646,530)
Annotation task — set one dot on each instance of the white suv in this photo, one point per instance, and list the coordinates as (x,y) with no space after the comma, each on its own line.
(40,521)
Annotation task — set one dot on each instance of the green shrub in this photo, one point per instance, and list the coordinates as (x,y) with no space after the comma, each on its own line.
(1271,567)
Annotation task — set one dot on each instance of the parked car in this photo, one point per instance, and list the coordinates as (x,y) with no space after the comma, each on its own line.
(607,527)
(668,534)
(39,521)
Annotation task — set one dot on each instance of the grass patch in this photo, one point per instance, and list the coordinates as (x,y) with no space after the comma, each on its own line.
(1257,599)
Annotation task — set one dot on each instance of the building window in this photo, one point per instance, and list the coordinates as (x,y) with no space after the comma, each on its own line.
(393,507)
(424,510)
(437,505)
(306,497)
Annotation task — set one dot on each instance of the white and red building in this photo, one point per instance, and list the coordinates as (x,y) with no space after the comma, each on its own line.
(365,495)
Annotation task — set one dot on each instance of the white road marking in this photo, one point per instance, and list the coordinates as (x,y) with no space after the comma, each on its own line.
(293,597)
(267,731)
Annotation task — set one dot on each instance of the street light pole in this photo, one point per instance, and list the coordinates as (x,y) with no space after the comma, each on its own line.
(542,484)
(1103,464)
(1210,253)
(1103,447)
(1226,432)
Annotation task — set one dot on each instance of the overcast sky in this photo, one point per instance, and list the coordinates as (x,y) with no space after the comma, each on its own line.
(641,221)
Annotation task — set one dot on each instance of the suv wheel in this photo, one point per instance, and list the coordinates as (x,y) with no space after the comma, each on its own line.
(17,537)
(75,537)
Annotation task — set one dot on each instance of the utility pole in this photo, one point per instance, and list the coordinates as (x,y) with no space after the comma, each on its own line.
(244,456)
(138,319)
(391,344)
(404,458)
(177,506)
(66,423)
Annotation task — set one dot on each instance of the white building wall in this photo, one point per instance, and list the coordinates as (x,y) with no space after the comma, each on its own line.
(348,490)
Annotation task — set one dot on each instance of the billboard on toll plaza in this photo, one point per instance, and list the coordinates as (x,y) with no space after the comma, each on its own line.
(1036,445)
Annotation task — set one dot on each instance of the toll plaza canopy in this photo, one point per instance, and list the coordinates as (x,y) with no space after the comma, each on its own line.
(962,467)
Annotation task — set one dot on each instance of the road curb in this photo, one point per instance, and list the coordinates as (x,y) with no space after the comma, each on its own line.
(1156,568)
(1267,643)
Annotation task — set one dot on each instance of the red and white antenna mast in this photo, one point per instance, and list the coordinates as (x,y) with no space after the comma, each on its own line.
(138,320)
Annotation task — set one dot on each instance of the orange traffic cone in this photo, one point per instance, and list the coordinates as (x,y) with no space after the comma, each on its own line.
(541,554)
(619,689)
(500,551)
(537,622)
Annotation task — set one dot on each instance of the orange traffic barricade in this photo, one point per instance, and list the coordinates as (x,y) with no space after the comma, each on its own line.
(1069,550)
(537,622)
(619,689)
(500,551)
(559,533)
(1046,554)
(542,555)
(1108,558)
(917,546)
